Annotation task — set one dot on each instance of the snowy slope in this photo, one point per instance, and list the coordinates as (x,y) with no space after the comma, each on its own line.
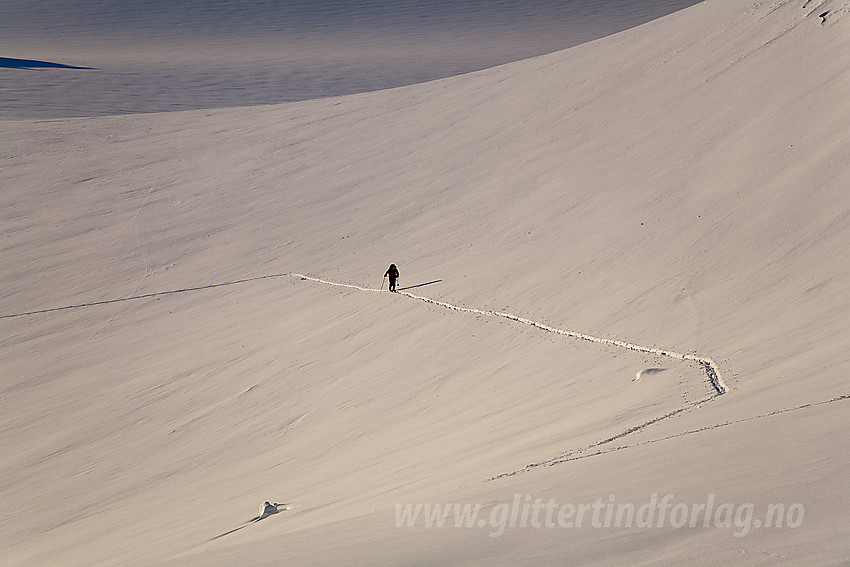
(680,186)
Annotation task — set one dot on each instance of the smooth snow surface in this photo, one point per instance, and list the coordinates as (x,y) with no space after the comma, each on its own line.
(624,274)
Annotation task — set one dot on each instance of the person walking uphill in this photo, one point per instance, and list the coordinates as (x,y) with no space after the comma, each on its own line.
(392,273)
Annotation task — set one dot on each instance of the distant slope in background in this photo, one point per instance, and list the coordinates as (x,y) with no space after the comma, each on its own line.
(681,185)
(167,56)
(163,20)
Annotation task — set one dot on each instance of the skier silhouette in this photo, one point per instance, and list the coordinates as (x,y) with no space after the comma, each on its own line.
(392,273)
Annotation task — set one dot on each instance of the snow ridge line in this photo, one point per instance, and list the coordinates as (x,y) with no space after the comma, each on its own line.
(708,365)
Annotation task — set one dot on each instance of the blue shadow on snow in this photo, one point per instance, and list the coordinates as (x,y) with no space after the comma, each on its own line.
(9,63)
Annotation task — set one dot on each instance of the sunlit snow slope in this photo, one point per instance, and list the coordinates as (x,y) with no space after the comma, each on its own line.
(681,186)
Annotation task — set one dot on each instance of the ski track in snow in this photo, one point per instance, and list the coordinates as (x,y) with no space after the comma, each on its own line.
(707,364)
(710,368)
(137,297)
(599,448)
(582,454)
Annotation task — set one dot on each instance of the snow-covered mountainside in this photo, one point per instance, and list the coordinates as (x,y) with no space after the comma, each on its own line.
(192,319)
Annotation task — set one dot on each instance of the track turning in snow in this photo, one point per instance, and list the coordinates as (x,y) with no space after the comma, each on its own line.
(711,371)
